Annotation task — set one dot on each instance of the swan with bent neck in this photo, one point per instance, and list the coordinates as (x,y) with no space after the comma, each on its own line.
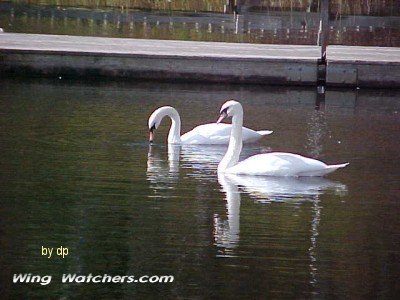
(204,134)
(268,164)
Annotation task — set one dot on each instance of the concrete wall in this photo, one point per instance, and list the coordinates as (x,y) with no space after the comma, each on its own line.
(204,69)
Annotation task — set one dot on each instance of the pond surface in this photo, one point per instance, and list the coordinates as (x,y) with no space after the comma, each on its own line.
(78,172)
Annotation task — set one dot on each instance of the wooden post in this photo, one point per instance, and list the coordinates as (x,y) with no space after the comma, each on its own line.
(324,28)
(230,5)
(323,36)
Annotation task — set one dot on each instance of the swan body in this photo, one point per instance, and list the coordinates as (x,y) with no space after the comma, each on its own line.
(283,164)
(268,164)
(215,134)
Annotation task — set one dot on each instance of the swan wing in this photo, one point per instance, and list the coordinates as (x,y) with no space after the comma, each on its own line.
(207,134)
(214,133)
(282,164)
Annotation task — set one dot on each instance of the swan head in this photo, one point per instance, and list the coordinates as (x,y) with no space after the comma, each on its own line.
(156,118)
(229,109)
(153,125)
(155,121)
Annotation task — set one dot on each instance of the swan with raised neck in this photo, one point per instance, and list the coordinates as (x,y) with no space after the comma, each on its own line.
(232,109)
(267,164)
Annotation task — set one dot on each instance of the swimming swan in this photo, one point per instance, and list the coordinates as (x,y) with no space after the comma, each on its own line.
(269,164)
(203,134)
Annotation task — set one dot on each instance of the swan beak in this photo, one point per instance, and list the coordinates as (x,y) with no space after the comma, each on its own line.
(151,136)
(222,116)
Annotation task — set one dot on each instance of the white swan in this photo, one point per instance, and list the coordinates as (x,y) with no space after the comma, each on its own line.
(203,134)
(270,164)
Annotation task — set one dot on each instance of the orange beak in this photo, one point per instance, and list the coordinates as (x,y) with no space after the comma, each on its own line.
(151,136)
(221,117)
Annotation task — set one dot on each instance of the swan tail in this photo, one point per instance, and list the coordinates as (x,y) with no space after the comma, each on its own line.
(325,171)
(264,132)
(335,167)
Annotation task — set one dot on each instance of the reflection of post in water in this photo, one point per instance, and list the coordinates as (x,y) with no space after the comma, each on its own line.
(317,126)
(320,100)
(312,251)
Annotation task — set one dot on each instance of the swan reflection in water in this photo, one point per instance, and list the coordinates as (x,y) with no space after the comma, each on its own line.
(264,190)
(267,189)
(163,170)
(160,173)
(203,162)
(200,160)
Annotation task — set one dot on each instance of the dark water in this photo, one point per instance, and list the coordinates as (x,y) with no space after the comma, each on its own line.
(77,172)
(272,27)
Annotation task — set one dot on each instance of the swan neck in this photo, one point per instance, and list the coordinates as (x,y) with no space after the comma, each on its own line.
(231,157)
(237,124)
(174,135)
